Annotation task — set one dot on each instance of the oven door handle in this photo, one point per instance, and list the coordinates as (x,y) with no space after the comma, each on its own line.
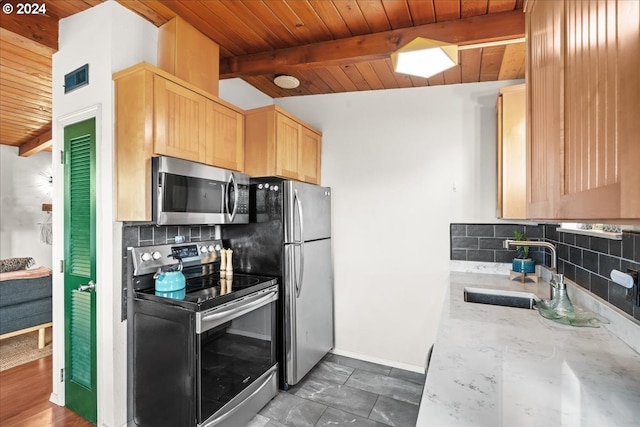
(211,320)
(220,418)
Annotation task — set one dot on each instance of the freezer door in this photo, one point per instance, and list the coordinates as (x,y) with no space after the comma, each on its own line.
(307,212)
(308,307)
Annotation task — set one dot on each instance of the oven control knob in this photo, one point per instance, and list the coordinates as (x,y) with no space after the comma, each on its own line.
(217,248)
(146,257)
(156,255)
(204,249)
(211,248)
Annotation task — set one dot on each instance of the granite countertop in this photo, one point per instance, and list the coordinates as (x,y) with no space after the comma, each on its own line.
(503,366)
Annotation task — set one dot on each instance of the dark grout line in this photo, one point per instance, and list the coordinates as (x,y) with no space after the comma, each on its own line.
(321,415)
(374,405)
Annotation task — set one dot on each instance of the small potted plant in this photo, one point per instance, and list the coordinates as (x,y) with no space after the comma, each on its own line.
(522,264)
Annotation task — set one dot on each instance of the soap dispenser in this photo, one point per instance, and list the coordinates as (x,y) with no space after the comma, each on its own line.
(561,304)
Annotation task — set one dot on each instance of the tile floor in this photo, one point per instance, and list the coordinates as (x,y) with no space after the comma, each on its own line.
(341,391)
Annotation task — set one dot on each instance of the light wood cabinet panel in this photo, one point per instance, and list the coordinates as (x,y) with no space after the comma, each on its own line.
(179,124)
(310,149)
(224,137)
(602,89)
(189,55)
(583,91)
(133,145)
(278,143)
(544,84)
(288,135)
(511,149)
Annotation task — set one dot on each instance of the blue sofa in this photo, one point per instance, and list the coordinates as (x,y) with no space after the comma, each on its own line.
(25,306)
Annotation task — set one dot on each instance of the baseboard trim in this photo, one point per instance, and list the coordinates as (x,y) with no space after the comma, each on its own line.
(55,399)
(366,358)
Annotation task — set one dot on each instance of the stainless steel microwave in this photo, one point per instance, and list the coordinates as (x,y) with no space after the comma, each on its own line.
(188,193)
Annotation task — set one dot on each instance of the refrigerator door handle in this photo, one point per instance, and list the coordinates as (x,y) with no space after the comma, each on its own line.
(299,289)
(300,243)
(290,339)
(294,276)
(297,202)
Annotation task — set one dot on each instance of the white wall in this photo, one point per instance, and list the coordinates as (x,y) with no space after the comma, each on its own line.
(403,165)
(24,187)
(109,38)
(242,94)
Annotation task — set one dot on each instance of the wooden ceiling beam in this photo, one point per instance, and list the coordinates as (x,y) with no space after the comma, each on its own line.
(39,28)
(37,144)
(340,52)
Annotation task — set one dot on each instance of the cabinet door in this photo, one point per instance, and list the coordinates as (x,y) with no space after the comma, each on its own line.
(288,135)
(601,110)
(181,50)
(511,108)
(179,123)
(133,145)
(544,21)
(225,137)
(309,161)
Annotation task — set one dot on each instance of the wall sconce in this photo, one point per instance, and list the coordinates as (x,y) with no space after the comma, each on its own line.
(424,57)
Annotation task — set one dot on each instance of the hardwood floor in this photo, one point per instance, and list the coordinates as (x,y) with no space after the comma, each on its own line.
(24,398)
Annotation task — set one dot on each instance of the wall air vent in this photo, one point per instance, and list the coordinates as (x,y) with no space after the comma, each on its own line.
(77,78)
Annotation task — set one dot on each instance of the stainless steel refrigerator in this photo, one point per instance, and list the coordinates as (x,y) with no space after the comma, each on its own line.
(289,237)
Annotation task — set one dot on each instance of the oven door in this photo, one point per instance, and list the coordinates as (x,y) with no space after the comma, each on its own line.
(236,364)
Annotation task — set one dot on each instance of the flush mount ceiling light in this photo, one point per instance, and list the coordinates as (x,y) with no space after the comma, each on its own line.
(424,57)
(286,82)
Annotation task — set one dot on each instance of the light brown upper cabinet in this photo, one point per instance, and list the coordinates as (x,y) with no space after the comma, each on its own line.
(544,22)
(224,136)
(189,55)
(159,114)
(179,121)
(310,146)
(511,115)
(278,143)
(583,109)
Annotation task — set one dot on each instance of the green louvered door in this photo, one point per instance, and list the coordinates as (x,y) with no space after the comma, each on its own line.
(80,268)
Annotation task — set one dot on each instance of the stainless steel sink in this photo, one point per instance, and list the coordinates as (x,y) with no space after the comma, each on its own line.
(501,297)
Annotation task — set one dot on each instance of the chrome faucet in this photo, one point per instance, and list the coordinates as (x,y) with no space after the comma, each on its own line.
(555,278)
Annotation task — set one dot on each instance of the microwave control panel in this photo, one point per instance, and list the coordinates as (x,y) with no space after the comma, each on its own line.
(243,199)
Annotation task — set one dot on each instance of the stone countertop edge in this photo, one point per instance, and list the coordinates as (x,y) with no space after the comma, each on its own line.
(622,325)
(495,366)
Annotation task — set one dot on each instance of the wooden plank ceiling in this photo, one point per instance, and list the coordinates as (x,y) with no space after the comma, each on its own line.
(27,43)
(331,46)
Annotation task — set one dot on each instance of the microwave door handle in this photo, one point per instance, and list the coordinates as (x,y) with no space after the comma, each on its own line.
(299,243)
(232,179)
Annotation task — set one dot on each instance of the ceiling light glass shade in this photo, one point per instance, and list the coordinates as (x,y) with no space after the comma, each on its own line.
(424,57)
(286,82)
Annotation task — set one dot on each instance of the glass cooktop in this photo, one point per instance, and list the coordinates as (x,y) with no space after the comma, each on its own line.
(204,292)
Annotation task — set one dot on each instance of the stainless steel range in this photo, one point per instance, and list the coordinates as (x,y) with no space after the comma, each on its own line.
(204,355)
